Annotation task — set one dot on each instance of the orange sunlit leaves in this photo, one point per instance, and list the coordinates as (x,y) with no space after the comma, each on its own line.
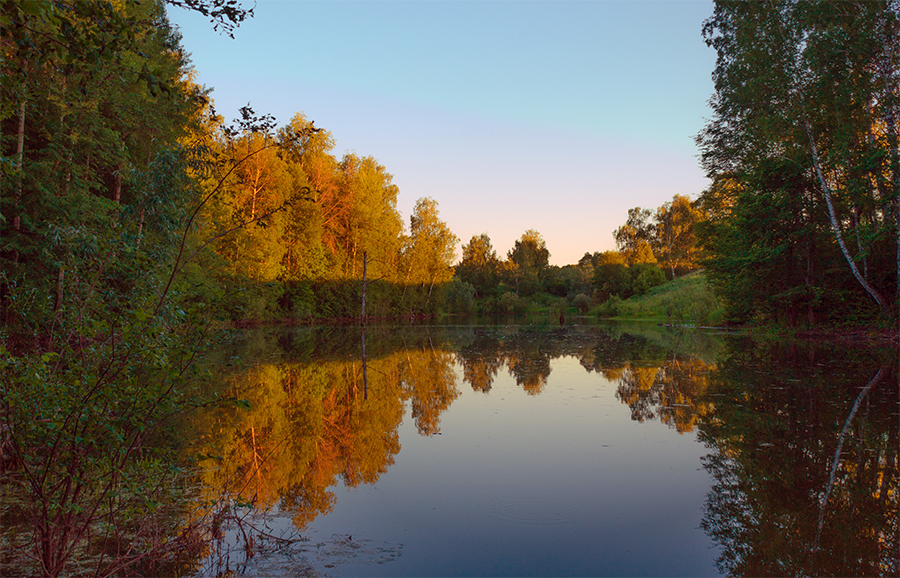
(310,426)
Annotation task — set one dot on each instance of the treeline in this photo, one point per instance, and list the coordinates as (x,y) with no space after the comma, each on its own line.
(119,174)
(296,231)
(803,219)
(651,247)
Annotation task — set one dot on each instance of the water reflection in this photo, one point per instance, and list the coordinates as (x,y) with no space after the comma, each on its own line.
(802,440)
(782,423)
(654,381)
(312,424)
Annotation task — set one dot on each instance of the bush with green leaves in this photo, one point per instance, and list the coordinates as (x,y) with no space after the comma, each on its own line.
(510,303)
(612,279)
(84,402)
(582,302)
(460,297)
(645,276)
(612,307)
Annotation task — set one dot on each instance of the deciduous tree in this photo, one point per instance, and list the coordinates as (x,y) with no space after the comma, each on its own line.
(675,236)
(528,262)
(634,238)
(805,121)
(430,249)
(480,265)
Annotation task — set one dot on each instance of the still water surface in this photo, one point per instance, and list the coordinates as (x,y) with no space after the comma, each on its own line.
(539,451)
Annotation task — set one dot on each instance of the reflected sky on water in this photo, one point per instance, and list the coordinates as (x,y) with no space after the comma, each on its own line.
(560,483)
(593,451)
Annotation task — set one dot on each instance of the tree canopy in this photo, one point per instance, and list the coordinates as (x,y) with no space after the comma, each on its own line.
(803,153)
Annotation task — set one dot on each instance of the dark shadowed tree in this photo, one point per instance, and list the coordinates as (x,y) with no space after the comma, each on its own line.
(805,123)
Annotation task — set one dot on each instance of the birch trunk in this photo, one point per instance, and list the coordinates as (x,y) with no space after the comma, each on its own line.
(859,245)
(835,226)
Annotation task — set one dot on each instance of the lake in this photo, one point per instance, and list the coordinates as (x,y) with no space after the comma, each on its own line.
(548,450)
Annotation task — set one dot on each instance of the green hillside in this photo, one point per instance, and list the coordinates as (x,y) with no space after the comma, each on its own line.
(686,300)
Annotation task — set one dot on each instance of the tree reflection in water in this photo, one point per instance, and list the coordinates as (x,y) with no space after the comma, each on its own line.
(776,424)
(792,495)
(312,424)
(773,417)
(653,380)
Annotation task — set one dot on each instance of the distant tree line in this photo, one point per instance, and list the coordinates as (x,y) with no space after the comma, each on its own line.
(650,247)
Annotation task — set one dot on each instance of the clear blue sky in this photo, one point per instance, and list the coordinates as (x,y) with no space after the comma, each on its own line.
(556,116)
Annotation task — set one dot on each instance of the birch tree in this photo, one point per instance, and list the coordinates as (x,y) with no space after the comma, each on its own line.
(805,106)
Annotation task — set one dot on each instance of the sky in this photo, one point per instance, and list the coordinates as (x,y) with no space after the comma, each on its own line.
(513,115)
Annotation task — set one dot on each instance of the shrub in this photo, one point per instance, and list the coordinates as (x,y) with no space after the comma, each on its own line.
(489,306)
(645,276)
(299,300)
(510,303)
(612,279)
(460,296)
(611,307)
(582,302)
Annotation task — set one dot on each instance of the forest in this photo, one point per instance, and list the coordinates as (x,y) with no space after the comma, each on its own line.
(110,148)
(134,219)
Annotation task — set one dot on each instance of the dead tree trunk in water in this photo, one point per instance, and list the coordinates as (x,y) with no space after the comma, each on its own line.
(363,315)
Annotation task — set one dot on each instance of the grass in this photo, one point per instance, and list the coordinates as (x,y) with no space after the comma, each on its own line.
(686,300)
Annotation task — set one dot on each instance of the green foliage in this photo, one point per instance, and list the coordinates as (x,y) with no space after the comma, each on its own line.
(260,302)
(612,279)
(582,302)
(480,266)
(100,300)
(338,299)
(299,300)
(645,276)
(86,396)
(512,304)
(802,151)
(688,299)
(460,297)
(489,307)
(528,262)
(572,280)
(612,307)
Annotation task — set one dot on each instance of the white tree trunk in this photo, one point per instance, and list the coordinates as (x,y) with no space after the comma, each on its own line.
(835,226)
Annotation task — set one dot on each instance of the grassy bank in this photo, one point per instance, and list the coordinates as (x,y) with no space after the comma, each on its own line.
(686,300)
